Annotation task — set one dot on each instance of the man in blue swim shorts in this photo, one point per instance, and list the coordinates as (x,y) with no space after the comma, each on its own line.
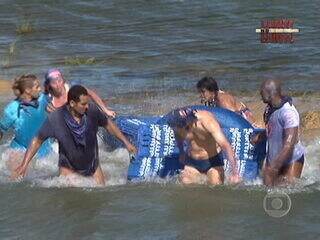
(75,127)
(24,116)
(285,154)
(202,133)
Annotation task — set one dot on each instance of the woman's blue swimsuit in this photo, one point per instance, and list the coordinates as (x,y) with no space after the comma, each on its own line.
(26,119)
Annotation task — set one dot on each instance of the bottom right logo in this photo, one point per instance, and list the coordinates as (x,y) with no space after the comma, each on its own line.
(277,204)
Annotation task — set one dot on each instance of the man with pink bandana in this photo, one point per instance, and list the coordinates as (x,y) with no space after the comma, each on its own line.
(57,87)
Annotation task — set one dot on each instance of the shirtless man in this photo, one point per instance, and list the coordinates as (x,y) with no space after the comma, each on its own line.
(75,126)
(211,95)
(202,133)
(285,154)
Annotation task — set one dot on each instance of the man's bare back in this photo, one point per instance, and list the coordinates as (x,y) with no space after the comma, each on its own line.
(228,101)
(211,95)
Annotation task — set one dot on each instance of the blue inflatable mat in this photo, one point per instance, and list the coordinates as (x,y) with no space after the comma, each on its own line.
(158,154)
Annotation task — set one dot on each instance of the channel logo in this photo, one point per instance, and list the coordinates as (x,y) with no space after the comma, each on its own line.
(277,31)
(277,204)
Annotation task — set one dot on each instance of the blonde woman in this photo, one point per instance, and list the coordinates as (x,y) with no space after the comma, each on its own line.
(24,115)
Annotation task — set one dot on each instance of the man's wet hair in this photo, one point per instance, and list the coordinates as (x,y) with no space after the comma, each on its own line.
(75,92)
(208,83)
(177,120)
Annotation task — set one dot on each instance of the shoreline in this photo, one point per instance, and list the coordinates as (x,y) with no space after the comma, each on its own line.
(5,86)
(151,102)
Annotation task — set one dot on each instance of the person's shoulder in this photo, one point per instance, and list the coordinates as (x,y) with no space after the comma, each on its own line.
(44,98)
(288,109)
(225,95)
(204,115)
(12,103)
(61,110)
(53,116)
(95,114)
(227,100)
(93,106)
(10,111)
(11,107)
(287,112)
(207,118)
(93,110)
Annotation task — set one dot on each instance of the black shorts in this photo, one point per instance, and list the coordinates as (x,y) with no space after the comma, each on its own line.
(203,166)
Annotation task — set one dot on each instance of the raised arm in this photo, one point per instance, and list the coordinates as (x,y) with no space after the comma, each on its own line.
(100,103)
(21,170)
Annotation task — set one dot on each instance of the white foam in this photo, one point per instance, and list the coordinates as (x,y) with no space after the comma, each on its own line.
(44,172)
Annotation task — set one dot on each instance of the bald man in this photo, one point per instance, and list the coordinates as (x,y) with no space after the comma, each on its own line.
(285,154)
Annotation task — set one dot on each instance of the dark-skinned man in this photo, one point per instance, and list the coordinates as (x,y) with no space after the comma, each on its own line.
(285,154)
(75,126)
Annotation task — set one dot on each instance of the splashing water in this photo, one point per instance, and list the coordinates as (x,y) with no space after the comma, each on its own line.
(44,172)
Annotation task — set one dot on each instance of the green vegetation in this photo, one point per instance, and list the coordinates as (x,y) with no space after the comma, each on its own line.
(77,60)
(25,27)
(8,56)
